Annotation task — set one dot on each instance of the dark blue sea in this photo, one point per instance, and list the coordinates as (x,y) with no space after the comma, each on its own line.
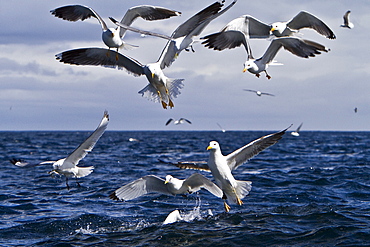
(311,190)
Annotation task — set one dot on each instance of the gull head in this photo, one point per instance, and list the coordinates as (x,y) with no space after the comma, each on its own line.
(168,179)
(213,145)
(278,28)
(250,65)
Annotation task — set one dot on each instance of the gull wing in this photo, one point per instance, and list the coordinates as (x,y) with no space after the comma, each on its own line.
(87,146)
(225,40)
(184,119)
(101,57)
(269,94)
(346,18)
(197,181)
(140,187)
(298,47)
(169,121)
(299,127)
(256,29)
(136,30)
(193,165)
(77,12)
(24,164)
(306,20)
(147,12)
(243,154)
(250,90)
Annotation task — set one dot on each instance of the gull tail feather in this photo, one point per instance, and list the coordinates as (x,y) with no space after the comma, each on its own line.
(84,171)
(242,190)
(150,93)
(174,86)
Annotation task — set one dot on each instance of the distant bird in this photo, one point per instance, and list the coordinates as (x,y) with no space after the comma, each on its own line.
(256,29)
(222,129)
(258,93)
(296,132)
(176,122)
(355,109)
(112,37)
(160,88)
(68,166)
(347,23)
(170,186)
(221,166)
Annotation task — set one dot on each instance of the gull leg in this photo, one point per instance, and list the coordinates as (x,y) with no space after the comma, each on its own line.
(79,185)
(117,55)
(164,104)
(227,207)
(238,201)
(267,75)
(258,75)
(170,104)
(192,49)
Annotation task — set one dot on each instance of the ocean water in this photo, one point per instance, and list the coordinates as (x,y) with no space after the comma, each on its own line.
(311,190)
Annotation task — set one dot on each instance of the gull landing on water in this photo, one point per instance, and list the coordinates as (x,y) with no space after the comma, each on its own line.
(170,186)
(68,166)
(296,132)
(221,166)
(112,37)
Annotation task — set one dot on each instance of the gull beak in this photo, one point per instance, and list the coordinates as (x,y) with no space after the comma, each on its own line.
(244,70)
(272,29)
(166,182)
(209,147)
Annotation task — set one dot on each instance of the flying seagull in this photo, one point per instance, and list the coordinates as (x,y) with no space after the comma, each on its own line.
(170,186)
(296,132)
(68,166)
(160,88)
(347,23)
(258,93)
(112,37)
(182,37)
(256,29)
(176,122)
(221,166)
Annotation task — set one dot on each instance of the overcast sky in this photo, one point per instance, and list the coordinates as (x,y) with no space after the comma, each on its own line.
(39,93)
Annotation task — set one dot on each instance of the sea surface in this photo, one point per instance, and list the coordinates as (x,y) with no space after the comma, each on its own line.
(311,190)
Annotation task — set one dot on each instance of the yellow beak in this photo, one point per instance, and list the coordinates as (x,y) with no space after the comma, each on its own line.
(272,29)
(244,70)
(209,147)
(152,75)
(166,182)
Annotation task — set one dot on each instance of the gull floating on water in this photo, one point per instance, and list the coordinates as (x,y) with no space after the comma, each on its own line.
(160,88)
(170,186)
(112,37)
(256,29)
(176,122)
(258,93)
(296,132)
(347,23)
(68,166)
(221,166)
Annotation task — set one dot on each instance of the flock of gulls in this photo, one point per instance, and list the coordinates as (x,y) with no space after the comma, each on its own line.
(162,89)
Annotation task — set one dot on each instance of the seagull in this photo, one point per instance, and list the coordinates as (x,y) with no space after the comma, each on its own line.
(68,166)
(160,88)
(173,217)
(259,93)
(347,22)
(222,129)
(355,109)
(182,37)
(296,132)
(221,166)
(170,186)
(300,47)
(112,37)
(176,122)
(256,29)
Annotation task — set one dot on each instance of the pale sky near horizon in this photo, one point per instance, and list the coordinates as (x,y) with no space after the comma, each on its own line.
(39,93)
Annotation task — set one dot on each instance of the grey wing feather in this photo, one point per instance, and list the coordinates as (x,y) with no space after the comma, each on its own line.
(24,164)
(243,154)
(197,181)
(87,146)
(306,20)
(140,187)
(225,40)
(146,12)
(77,12)
(169,121)
(193,165)
(101,57)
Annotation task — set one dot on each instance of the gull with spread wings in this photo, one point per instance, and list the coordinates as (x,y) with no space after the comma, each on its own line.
(68,166)
(160,88)
(221,166)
